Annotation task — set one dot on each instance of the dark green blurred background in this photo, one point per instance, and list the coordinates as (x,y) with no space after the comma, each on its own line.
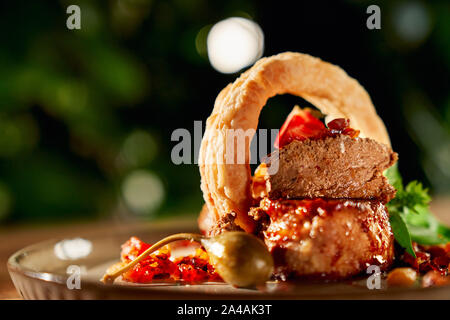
(86,115)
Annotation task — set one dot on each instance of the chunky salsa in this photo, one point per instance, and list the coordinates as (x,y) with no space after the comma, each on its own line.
(162,265)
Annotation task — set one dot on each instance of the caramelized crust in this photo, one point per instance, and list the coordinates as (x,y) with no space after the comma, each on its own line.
(332,239)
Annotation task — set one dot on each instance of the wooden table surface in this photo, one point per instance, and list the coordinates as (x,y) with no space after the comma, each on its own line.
(16,237)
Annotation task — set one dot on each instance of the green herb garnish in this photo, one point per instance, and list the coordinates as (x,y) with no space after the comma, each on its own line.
(410,216)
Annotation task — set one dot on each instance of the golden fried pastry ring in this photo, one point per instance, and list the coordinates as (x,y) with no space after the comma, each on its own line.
(226,186)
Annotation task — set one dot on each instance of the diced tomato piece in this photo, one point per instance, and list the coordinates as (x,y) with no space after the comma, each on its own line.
(429,258)
(133,248)
(193,269)
(158,265)
(338,124)
(153,267)
(299,125)
(342,126)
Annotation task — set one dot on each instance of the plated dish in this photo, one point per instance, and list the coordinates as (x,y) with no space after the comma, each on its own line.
(326,209)
(39,273)
(328,203)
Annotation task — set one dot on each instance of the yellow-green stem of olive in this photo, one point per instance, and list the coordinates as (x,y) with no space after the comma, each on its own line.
(240,258)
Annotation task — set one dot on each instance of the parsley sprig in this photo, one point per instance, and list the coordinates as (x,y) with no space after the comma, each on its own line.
(410,216)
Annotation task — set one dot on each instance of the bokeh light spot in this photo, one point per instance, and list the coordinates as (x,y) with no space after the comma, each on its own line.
(138,149)
(234,43)
(411,22)
(200,41)
(143,192)
(72,249)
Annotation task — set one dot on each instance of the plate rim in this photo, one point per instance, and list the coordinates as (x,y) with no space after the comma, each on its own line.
(14,268)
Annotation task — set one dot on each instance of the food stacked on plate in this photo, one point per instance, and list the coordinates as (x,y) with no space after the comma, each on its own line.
(322,213)
(327,203)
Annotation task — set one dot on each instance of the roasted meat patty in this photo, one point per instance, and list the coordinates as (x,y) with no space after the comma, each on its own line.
(332,239)
(334,167)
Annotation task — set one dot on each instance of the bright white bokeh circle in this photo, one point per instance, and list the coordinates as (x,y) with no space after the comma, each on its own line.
(234,43)
(72,249)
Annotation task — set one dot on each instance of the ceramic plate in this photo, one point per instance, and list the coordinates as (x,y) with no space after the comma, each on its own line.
(43,271)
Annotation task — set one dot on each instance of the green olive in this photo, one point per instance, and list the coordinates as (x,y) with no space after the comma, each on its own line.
(240,258)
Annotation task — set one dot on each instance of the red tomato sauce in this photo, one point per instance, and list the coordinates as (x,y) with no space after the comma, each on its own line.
(161,265)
